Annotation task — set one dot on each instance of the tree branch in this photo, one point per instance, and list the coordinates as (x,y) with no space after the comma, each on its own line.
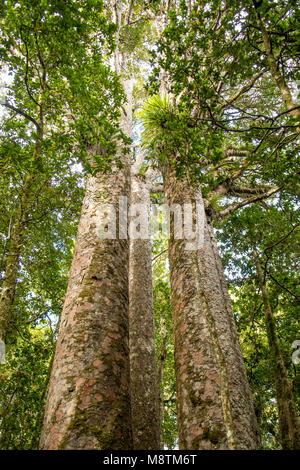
(240,190)
(283,287)
(245,202)
(22,113)
(275,72)
(243,89)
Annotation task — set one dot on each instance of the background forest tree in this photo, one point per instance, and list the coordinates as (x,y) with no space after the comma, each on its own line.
(215,99)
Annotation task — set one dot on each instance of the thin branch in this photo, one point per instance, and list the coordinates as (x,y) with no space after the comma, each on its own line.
(245,202)
(240,190)
(159,254)
(243,89)
(22,113)
(237,153)
(281,239)
(283,287)
(129,13)
(26,71)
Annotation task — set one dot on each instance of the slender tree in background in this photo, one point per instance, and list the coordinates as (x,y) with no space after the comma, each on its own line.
(25,202)
(8,287)
(269,295)
(287,411)
(144,390)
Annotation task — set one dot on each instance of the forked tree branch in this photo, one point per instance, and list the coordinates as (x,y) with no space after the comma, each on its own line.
(22,113)
(233,207)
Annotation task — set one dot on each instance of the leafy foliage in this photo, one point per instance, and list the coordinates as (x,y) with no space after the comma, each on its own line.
(222,119)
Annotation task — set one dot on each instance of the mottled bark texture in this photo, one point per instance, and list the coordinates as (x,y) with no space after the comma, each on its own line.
(88,403)
(13,256)
(88,399)
(214,403)
(144,390)
(287,411)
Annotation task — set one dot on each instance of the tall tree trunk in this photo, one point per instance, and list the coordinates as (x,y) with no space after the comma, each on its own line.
(287,412)
(214,403)
(88,403)
(144,390)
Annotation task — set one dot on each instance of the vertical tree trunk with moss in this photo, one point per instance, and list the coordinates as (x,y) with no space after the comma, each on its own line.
(144,390)
(214,403)
(88,403)
(287,411)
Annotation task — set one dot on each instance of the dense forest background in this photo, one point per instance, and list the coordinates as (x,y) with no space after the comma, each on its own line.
(214,95)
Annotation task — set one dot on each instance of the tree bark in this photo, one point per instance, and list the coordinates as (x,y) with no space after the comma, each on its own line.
(88,403)
(214,403)
(144,390)
(287,411)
